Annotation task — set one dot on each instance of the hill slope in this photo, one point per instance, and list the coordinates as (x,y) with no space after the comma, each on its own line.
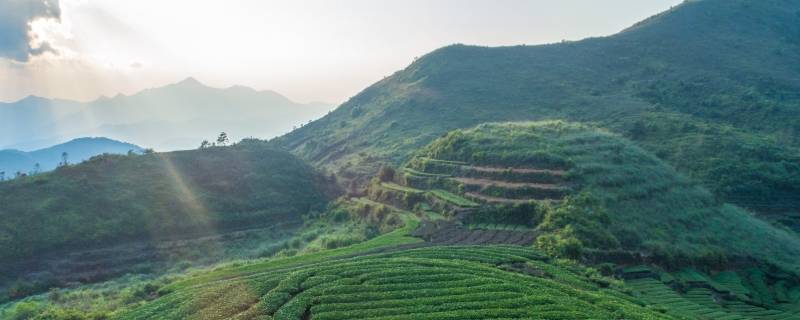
(176,116)
(619,196)
(12,161)
(707,73)
(110,199)
(427,283)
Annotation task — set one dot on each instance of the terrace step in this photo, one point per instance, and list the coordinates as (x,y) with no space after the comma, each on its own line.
(495,200)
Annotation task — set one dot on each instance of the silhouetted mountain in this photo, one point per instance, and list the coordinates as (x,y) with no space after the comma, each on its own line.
(177,116)
(13,161)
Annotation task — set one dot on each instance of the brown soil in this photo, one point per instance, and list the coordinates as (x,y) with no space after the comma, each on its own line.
(516,170)
(511,185)
(449,233)
(495,199)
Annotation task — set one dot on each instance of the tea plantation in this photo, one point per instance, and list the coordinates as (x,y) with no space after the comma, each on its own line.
(451,282)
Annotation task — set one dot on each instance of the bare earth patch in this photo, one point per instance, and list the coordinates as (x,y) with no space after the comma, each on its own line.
(496,199)
(515,170)
(511,185)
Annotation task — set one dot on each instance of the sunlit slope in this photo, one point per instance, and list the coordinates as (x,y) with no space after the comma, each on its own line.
(463,282)
(615,186)
(711,86)
(110,199)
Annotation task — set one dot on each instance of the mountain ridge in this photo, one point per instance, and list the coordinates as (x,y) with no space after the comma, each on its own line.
(175,106)
(79,149)
(681,94)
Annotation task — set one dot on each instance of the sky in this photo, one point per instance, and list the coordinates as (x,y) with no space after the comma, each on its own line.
(308,50)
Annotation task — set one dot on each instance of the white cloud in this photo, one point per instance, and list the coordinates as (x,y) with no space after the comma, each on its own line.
(18,40)
(309,50)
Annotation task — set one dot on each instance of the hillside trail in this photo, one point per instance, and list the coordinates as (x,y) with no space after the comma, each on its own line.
(490,199)
(514,170)
(505,184)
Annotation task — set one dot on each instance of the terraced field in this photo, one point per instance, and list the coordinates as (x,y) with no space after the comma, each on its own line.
(449,210)
(703,299)
(454,282)
(488,184)
(450,233)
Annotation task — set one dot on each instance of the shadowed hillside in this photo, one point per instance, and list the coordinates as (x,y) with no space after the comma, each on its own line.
(710,86)
(112,198)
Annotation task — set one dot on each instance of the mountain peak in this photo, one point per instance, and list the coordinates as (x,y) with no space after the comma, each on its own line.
(32,99)
(190,81)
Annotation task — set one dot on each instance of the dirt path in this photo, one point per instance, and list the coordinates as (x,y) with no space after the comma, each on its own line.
(516,170)
(496,199)
(511,185)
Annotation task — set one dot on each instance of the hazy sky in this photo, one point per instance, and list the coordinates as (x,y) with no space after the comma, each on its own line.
(313,50)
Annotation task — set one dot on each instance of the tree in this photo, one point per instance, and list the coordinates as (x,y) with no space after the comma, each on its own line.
(205,144)
(2,176)
(638,130)
(64,159)
(386,174)
(37,168)
(149,151)
(222,140)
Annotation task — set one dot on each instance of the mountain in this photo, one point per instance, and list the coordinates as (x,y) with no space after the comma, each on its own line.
(637,203)
(710,86)
(475,199)
(78,150)
(177,116)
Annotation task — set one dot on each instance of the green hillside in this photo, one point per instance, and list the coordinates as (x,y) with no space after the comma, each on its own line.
(652,174)
(603,190)
(486,282)
(498,222)
(112,199)
(715,73)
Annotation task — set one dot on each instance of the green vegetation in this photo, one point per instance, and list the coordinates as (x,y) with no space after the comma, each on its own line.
(396,187)
(700,297)
(98,301)
(700,109)
(321,238)
(628,198)
(110,199)
(752,170)
(707,86)
(452,198)
(428,283)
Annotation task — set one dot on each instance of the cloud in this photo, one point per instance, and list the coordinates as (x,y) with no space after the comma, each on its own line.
(17,41)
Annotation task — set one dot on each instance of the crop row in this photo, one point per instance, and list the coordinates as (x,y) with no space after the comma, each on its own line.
(424,283)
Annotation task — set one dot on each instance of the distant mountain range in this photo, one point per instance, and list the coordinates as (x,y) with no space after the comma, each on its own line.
(13,161)
(177,116)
